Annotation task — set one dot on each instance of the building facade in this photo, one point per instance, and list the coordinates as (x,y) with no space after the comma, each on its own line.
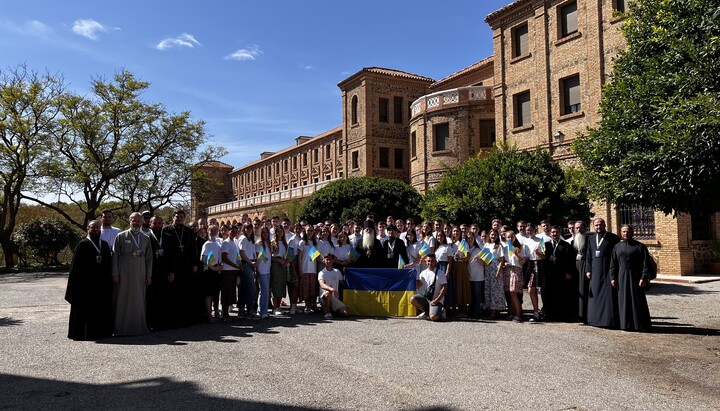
(540,88)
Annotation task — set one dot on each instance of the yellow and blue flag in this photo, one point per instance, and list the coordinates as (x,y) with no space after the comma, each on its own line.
(211,259)
(238,259)
(262,255)
(511,248)
(290,254)
(353,254)
(463,247)
(424,250)
(541,246)
(379,291)
(486,256)
(401,263)
(313,254)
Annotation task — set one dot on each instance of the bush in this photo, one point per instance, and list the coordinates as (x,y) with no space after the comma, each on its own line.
(356,197)
(44,239)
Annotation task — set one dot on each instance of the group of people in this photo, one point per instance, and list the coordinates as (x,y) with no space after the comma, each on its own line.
(155,276)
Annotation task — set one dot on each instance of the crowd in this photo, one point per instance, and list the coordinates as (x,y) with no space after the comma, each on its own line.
(157,276)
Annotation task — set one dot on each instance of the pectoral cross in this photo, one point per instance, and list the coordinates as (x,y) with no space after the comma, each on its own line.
(181,248)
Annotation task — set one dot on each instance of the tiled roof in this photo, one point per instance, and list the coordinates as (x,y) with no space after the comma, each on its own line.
(459,73)
(216,163)
(396,73)
(504,9)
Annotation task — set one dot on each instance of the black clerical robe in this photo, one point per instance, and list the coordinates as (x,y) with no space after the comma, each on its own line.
(90,291)
(630,262)
(602,297)
(560,293)
(183,262)
(372,258)
(393,249)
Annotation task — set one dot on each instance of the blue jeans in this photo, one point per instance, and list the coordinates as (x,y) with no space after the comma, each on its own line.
(247,288)
(477,288)
(264,280)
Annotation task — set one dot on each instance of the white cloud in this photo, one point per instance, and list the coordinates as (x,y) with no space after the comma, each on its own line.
(183,40)
(249,53)
(308,68)
(33,28)
(88,28)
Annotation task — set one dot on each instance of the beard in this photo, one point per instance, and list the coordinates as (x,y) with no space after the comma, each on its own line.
(579,241)
(368,241)
(135,230)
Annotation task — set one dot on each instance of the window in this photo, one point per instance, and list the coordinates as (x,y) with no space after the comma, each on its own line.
(570,94)
(315,155)
(327,177)
(641,219)
(398,109)
(701,226)
(568,19)
(384,110)
(262,172)
(304,159)
(354,110)
(327,152)
(413,145)
(355,159)
(399,158)
(294,163)
(384,157)
(620,5)
(441,136)
(521,105)
(487,133)
(285,166)
(520,45)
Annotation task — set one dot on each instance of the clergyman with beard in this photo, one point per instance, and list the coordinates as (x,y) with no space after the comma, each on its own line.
(371,251)
(90,288)
(579,243)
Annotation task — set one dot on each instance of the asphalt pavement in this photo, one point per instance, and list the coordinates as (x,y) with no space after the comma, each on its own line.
(305,362)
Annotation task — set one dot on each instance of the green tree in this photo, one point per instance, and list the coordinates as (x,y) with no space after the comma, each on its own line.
(28,117)
(356,197)
(45,238)
(658,142)
(114,145)
(507,184)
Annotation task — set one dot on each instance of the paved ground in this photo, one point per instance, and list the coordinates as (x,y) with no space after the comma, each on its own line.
(305,362)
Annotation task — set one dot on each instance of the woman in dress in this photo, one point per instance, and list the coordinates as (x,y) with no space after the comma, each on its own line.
(308,277)
(513,259)
(279,268)
(494,281)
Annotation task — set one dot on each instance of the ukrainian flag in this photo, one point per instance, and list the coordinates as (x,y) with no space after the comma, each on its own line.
(379,292)
(262,255)
(401,263)
(313,254)
(463,247)
(289,254)
(511,248)
(211,260)
(486,256)
(541,246)
(424,250)
(353,254)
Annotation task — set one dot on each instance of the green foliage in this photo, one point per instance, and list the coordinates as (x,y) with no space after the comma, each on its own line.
(357,197)
(507,184)
(658,142)
(45,238)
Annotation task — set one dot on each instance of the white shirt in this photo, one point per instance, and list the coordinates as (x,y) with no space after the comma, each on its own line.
(109,234)
(475,265)
(215,248)
(248,247)
(427,278)
(228,246)
(529,247)
(331,277)
(264,266)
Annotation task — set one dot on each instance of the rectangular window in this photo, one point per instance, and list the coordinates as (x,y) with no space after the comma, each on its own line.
(315,155)
(384,110)
(327,177)
(327,152)
(441,136)
(520,41)
(304,159)
(620,5)
(285,166)
(399,158)
(398,109)
(355,159)
(641,219)
(568,19)
(570,94)
(384,157)
(294,163)
(487,133)
(413,145)
(521,105)
(340,147)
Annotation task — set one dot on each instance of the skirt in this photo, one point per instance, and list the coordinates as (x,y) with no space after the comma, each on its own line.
(278,279)
(513,279)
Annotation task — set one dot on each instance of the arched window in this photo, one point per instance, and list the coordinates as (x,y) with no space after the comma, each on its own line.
(353,110)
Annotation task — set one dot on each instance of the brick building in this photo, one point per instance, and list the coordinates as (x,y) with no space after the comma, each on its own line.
(539,89)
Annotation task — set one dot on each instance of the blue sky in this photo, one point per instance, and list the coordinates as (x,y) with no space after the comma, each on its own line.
(259,73)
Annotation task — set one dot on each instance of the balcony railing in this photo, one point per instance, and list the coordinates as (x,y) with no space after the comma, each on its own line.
(268,199)
(440,99)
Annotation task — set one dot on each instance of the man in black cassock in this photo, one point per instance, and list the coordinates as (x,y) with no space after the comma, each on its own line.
(161,314)
(393,248)
(90,288)
(559,295)
(370,249)
(183,266)
(602,297)
(630,273)
(579,244)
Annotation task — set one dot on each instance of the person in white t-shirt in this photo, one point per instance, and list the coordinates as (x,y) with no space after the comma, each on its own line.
(329,280)
(430,280)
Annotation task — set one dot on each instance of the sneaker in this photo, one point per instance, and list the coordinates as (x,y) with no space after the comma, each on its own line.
(535,318)
(264,317)
(517,319)
(308,310)
(328,316)
(278,312)
(293,310)
(422,316)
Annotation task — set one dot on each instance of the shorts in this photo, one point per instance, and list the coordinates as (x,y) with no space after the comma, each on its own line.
(431,310)
(335,303)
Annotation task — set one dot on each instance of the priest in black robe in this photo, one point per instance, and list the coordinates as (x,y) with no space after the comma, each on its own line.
(560,293)
(602,297)
(630,269)
(393,248)
(161,313)
(90,288)
(579,244)
(183,268)
(369,248)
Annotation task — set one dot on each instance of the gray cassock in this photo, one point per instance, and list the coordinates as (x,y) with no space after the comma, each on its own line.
(132,262)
